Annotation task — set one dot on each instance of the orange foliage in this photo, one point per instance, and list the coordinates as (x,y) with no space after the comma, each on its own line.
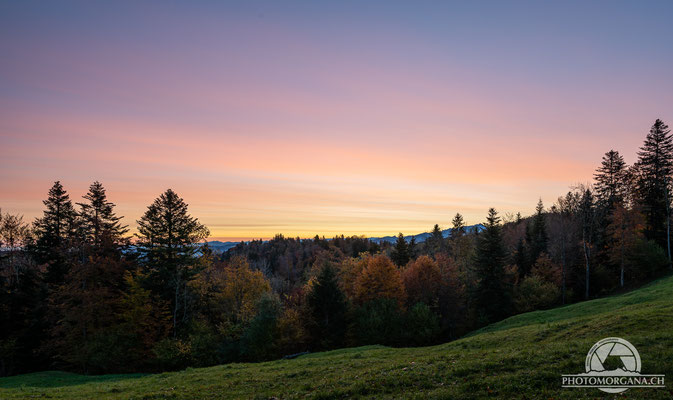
(380,279)
(547,270)
(349,272)
(232,291)
(422,280)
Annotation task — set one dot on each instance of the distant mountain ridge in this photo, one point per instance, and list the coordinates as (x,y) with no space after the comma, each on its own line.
(421,237)
(222,247)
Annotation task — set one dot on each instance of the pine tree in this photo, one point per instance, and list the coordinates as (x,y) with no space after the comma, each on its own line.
(54,232)
(99,221)
(654,166)
(537,235)
(457,240)
(400,253)
(521,259)
(167,239)
(492,294)
(611,179)
(458,226)
(435,243)
(327,305)
(412,248)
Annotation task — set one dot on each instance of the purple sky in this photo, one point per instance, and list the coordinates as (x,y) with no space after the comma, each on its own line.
(311,118)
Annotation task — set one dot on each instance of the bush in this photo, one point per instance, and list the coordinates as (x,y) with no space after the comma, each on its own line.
(647,260)
(259,339)
(421,325)
(172,354)
(203,343)
(533,293)
(378,322)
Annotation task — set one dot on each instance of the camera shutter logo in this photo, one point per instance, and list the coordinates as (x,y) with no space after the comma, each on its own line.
(613,365)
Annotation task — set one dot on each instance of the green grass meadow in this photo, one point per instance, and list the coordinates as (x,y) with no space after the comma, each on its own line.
(522,357)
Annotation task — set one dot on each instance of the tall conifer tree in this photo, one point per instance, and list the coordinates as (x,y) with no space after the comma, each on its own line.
(492,294)
(611,179)
(537,234)
(99,221)
(400,254)
(655,166)
(54,232)
(168,238)
(327,305)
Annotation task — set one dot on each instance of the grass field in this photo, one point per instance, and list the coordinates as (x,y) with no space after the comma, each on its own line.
(521,358)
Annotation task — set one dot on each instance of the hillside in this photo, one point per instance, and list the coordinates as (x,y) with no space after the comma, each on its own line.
(521,357)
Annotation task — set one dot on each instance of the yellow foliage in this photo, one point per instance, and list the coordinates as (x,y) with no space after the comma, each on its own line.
(380,279)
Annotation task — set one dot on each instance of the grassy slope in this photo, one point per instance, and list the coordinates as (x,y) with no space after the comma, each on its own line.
(521,357)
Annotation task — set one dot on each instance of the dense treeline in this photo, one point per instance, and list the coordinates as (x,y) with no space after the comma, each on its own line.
(76,292)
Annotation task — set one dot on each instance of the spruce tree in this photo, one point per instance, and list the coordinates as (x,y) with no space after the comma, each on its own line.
(400,253)
(54,231)
(492,293)
(412,248)
(537,234)
(167,240)
(457,242)
(327,305)
(435,243)
(99,221)
(654,166)
(521,259)
(611,179)
(458,226)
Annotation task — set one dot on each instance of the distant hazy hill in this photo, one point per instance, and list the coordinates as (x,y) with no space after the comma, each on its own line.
(221,247)
(421,237)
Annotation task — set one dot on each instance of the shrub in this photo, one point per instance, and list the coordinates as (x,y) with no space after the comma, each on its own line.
(421,325)
(533,293)
(379,322)
(172,354)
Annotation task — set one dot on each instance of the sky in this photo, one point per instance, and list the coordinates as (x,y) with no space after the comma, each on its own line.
(344,117)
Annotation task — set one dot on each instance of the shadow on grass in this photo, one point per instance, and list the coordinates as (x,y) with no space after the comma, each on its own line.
(52,379)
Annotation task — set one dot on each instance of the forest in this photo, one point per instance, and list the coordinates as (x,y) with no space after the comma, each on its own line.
(79,293)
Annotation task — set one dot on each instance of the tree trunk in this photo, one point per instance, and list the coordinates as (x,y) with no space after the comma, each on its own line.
(175,309)
(563,271)
(586,259)
(668,222)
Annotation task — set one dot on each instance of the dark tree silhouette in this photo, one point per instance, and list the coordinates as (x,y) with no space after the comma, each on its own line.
(327,305)
(492,294)
(167,239)
(400,253)
(654,167)
(53,232)
(611,179)
(99,221)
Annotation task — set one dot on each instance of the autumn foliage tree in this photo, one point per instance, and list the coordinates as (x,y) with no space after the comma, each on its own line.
(422,281)
(625,230)
(380,279)
(88,304)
